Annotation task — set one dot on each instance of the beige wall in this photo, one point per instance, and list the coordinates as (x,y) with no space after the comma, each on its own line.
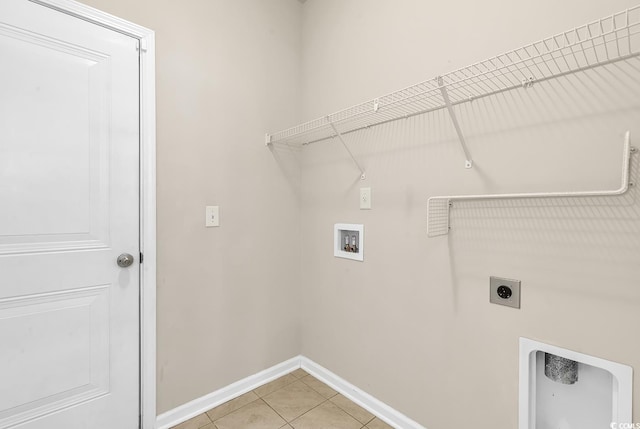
(412,324)
(227,71)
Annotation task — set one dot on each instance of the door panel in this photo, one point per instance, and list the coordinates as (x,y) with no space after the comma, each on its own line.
(67,144)
(72,328)
(69,192)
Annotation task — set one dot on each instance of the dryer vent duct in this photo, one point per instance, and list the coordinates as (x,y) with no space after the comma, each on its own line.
(560,370)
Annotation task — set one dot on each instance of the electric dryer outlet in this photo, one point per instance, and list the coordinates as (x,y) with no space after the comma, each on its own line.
(504,291)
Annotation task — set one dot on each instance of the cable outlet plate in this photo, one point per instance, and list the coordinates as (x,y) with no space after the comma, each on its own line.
(504,291)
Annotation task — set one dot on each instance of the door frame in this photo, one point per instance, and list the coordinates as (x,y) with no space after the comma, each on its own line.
(147,99)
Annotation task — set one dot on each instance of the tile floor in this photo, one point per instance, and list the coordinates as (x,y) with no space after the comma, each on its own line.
(296,400)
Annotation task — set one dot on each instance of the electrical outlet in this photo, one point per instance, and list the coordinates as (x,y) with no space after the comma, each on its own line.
(365,198)
(504,291)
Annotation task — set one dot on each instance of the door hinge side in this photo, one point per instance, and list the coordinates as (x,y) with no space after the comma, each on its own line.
(141,45)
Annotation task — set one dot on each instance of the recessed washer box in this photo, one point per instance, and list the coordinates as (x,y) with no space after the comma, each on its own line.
(601,396)
(348,241)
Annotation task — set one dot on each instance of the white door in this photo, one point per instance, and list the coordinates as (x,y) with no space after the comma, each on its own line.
(69,197)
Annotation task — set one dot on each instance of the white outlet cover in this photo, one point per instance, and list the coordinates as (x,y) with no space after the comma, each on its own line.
(212,216)
(365,198)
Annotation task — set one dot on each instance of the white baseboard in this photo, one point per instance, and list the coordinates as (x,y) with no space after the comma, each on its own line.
(366,401)
(205,403)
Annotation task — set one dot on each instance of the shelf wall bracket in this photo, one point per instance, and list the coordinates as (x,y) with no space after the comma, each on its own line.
(454,119)
(438,208)
(353,158)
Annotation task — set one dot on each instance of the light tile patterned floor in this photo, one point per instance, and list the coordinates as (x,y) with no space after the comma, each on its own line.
(296,400)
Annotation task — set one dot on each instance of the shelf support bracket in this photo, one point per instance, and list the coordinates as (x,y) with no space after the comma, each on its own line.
(353,158)
(454,119)
(438,208)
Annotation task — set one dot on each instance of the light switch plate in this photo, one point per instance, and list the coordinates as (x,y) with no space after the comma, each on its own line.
(365,198)
(504,291)
(212,216)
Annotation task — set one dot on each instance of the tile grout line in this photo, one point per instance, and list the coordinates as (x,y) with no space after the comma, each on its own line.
(237,409)
(337,405)
(289,422)
(279,378)
(310,387)
(230,412)
(311,409)
(295,418)
(347,411)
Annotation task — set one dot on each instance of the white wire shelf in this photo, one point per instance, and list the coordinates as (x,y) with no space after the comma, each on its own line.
(438,208)
(607,40)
